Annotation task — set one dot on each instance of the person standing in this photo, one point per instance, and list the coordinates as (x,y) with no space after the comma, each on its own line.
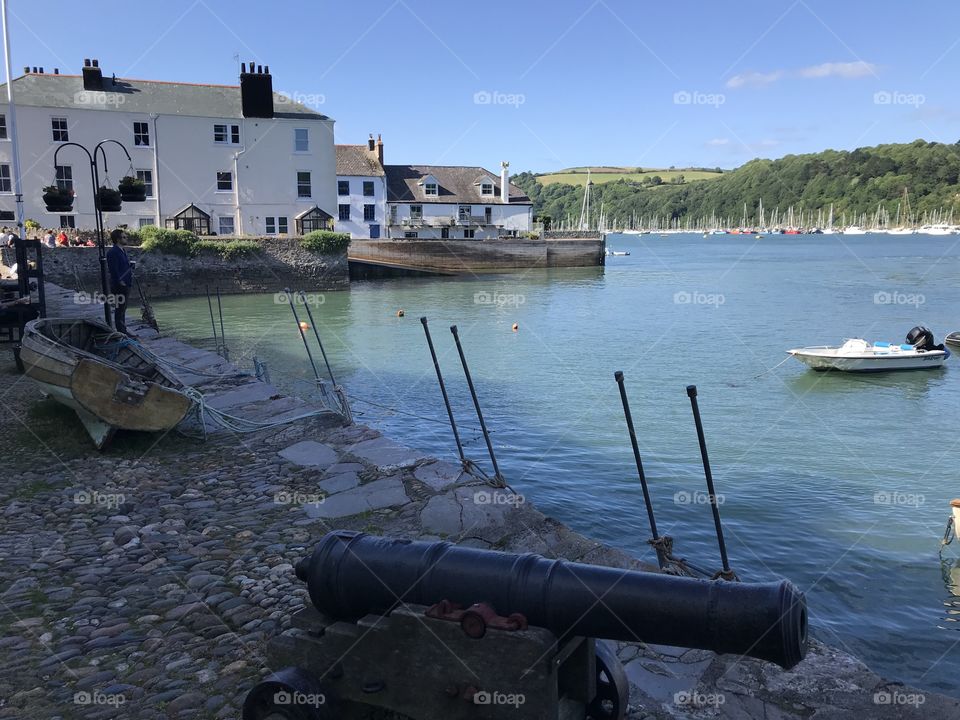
(49,240)
(121,279)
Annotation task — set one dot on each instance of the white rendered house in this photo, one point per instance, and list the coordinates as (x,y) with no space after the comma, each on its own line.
(217,159)
(454,202)
(361,190)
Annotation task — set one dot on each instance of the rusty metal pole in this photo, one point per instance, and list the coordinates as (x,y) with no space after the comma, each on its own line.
(443,391)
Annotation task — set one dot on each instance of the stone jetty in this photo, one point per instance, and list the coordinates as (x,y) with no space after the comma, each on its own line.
(145,581)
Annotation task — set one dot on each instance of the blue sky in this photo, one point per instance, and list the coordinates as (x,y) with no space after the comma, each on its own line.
(548,85)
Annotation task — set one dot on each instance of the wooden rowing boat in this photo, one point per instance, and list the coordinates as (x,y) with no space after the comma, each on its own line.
(103,375)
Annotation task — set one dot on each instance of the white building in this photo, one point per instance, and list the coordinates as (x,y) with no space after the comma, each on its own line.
(361,190)
(454,202)
(230,160)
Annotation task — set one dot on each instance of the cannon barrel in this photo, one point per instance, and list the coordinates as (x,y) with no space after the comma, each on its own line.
(350,575)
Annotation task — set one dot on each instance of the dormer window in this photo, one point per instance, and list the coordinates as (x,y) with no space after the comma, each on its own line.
(430,188)
(486,188)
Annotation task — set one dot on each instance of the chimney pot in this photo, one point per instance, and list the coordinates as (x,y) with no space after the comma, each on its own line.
(266,69)
(86,62)
(259,69)
(26,69)
(56,71)
(96,63)
(370,143)
(35,69)
(41,70)
(243,68)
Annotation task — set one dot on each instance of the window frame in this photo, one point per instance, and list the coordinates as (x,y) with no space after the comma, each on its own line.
(301,185)
(369,212)
(434,192)
(369,184)
(65,182)
(68,222)
(231,134)
(145,222)
(6,179)
(416,214)
(483,187)
(144,132)
(4,133)
(268,221)
(341,184)
(221,174)
(340,212)
(306,140)
(233,224)
(65,130)
(147,185)
(283,225)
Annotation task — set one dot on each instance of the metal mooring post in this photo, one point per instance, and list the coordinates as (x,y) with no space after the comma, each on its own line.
(316,332)
(223,335)
(661,559)
(726,573)
(303,337)
(213,324)
(476,403)
(443,391)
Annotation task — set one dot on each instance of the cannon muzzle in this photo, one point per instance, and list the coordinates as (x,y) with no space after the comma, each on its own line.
(353,574)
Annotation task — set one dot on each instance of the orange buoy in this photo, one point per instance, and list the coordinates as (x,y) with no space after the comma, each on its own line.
(516,326)
(304,325)
(400,312)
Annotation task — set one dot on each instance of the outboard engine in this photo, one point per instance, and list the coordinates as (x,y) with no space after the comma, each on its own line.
(922,339)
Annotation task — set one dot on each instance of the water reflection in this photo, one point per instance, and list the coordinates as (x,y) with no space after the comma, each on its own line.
(950,570)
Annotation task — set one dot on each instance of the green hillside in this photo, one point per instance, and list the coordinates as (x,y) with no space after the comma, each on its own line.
(854,182)
(605,174)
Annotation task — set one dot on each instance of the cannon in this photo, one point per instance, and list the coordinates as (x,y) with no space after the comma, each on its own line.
(434,631)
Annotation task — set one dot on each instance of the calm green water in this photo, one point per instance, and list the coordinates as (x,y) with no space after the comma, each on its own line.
(799,456)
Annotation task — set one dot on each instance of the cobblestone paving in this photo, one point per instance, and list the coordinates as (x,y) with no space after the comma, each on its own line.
(144,582)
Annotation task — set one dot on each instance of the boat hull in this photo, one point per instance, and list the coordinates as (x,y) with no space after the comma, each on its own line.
(105,396)
(817,360)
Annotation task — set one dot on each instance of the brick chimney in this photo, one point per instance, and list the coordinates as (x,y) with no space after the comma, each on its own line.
(504,182)
(375,147)
(256,91)
(92,75)
(379,149)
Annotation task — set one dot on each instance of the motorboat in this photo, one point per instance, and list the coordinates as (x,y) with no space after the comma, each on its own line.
(104,376)
(857,355)
(953,339)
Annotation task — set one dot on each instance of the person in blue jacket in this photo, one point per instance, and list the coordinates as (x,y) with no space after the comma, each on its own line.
(121,279)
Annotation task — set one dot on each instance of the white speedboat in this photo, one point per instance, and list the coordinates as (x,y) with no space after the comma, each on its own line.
(858,355)
(854,230)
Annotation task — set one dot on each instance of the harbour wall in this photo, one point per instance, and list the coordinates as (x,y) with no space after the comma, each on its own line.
(281,262)
(481,255)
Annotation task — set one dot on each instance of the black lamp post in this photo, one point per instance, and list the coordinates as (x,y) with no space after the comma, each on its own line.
(98,212)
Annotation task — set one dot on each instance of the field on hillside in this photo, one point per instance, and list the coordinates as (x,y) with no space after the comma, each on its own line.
(578,176)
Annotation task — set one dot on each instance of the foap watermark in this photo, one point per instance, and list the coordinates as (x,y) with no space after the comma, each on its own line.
(697,497)
(312,100)
(901,499)
(95,497)
(895,97)
(285,298)
(97,98)
(696,699)
(896,297)
(492,497)
(97,298)
(295,497)
(493,697)
(95,697)
(698,298)
(495,97)
(498,298)
(695,97)
(284,697)
(895,697)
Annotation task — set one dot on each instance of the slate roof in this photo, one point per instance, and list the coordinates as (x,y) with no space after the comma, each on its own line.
(357,160)
(144,96)
(456,184)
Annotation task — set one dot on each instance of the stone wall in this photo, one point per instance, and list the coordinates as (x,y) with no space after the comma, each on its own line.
(281,263)
(474,255)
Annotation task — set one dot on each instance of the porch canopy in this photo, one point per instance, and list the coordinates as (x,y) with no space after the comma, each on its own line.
(190,218)
(313,219)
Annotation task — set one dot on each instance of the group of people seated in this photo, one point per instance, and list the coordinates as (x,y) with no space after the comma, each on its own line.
(50,238)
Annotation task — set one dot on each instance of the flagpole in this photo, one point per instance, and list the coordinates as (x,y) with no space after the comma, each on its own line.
(12,114)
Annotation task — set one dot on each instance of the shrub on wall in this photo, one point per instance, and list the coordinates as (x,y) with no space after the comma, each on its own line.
(172,242)
(228,249)
(325,241)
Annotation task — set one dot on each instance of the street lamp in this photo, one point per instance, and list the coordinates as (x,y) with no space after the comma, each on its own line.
(98,211)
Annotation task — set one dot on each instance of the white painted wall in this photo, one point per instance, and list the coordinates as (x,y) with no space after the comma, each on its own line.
(357,226)
(504,219)
(184,159)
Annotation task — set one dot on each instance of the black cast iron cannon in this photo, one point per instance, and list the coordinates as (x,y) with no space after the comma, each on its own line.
(440,632)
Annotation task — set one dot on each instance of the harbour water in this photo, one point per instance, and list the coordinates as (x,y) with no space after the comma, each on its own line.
(840,483)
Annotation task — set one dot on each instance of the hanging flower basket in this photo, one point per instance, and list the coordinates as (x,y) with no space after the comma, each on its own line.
(132,189)
(109,199)
(57,200)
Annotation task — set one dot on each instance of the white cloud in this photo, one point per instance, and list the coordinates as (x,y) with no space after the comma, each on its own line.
(839,69)
(718,141)
(754,79)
